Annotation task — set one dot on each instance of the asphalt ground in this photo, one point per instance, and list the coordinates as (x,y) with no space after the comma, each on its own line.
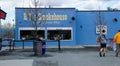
(88,56)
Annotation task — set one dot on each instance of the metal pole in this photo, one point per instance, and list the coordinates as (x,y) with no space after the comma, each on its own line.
(13,44)
(59,45)
(10,45)
(100,21)
(23,44)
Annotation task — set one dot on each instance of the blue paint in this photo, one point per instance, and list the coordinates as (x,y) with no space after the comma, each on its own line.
(83,28)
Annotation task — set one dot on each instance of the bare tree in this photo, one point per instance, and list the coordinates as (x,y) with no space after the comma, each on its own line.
(112,9)
(100,23)
(34,19)
(35,23)
(7,30)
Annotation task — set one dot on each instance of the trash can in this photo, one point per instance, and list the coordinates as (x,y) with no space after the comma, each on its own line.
(43,48)
(0,43)
(40,48)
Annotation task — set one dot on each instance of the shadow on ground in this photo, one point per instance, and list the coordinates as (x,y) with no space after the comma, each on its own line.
(20,54)
(29,54)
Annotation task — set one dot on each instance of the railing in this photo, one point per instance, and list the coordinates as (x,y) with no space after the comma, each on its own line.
(7,42)
(23,42)
(12,43)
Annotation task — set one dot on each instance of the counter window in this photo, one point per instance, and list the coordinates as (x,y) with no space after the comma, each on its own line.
(63,34)
(29,34)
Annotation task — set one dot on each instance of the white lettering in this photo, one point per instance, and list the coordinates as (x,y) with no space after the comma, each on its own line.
(44,17)
(25,16)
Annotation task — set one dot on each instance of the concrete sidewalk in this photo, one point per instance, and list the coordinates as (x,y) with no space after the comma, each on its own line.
(86,56)
(4,48)
(22,62)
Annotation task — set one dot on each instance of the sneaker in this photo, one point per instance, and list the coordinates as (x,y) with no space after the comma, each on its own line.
(116,55)
(100,54)
(103,54)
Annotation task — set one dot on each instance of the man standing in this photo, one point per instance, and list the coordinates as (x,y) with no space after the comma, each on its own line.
(117,40)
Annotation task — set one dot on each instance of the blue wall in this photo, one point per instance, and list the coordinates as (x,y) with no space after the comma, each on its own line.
(84,26)
(70,12)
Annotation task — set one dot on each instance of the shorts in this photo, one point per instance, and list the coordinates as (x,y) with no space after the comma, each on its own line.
(117,48)
(103,45)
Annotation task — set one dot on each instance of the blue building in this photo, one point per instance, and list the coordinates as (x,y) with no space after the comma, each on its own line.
(73,26)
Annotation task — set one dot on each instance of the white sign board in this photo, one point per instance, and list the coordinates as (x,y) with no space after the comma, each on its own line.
(101,29)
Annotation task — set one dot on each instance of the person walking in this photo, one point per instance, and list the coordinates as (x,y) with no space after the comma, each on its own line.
(117,41)
(103,42)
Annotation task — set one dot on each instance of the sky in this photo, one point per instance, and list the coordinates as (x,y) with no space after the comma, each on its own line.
(9,5)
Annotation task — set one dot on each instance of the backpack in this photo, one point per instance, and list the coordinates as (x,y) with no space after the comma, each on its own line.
(98,39)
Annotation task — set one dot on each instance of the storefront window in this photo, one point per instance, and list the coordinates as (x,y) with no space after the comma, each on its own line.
(63,34)
(30,34)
